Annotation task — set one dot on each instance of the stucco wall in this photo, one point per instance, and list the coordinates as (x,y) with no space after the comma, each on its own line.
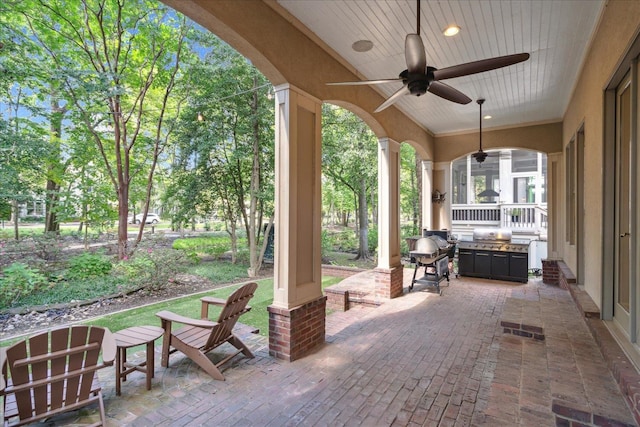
(617,29)
(546,138)
(287,53)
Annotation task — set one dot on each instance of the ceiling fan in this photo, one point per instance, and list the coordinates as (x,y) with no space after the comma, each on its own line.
(418,78)
(480,155)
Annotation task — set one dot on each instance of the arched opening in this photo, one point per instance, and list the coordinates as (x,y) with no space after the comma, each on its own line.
(506,191)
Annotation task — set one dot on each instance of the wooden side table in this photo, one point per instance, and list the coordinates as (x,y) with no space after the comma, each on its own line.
(131,337)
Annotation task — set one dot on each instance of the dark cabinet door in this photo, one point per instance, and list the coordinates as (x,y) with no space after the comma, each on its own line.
(482,263)
(500,265)
(465,262)
(519,267)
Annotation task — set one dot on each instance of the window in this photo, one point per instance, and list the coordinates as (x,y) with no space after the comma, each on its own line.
(459,173)
(524,161)
(524,189)
(485,176)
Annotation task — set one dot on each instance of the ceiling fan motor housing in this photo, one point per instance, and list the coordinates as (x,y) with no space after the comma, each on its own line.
(418,83)
(480,156)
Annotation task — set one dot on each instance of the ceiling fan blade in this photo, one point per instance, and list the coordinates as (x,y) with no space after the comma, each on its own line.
(479,66)
(449,93)
(366,82)
(414,54)
(404,90)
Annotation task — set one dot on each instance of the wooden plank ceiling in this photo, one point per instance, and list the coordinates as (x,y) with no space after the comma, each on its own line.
(555,32)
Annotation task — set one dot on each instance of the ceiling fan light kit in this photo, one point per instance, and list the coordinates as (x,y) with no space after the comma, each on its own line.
(419,78)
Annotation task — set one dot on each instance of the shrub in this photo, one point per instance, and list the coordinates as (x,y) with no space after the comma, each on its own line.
(210,245)
(152,269)
(88,265)
(19,280)
(372,239)
(73,290)
(409,230)
(326,246)
(48,246)
(345,241)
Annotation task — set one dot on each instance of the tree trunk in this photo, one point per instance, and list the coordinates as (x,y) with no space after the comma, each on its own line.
(123,213)
(16,228)
(374,206)
(54,169)
(233,236)
(363,238)
(51,223)
(255,260)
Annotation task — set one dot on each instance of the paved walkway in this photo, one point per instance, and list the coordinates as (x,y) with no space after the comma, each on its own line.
(420,359)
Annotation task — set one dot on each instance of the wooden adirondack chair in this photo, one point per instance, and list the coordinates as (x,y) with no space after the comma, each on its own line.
(54,372)
(200,336)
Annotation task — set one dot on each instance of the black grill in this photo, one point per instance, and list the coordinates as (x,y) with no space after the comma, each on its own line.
(431,253)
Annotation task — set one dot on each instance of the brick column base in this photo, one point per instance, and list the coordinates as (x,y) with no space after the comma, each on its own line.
(389,282)
(294,332)
(550,272)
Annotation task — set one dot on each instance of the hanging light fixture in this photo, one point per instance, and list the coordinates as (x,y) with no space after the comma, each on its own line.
(480,155)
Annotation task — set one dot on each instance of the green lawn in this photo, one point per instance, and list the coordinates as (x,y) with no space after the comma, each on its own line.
(189,306)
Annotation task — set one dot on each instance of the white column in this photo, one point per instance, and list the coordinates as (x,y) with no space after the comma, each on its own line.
(442,183)
(427,190)
(555,214)
(297,251)
(388,204)
(506,183)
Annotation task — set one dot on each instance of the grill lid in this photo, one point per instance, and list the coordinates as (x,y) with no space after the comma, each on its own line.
(430,247)
(492,235)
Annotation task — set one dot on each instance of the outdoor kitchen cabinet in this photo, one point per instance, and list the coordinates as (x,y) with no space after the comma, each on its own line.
(519,267)
(498,265)
(482,263)
(493,255)
(465,262)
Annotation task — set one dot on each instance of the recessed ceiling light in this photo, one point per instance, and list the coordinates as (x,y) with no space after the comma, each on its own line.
(451,30)
(487,117)
(362,45)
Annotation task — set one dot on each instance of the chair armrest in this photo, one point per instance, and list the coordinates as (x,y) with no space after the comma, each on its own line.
(173,317)
(3,361)
(206,301)
(214,301)
(109,347)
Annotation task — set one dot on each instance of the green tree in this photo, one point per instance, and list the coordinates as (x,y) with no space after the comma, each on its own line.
(117,64)
(22,147)
(349,159)
(225,159)
(409,187)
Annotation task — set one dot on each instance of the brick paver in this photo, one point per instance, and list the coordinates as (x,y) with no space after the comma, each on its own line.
(420,359)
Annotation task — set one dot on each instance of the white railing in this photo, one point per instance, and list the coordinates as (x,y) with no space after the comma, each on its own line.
(515,216)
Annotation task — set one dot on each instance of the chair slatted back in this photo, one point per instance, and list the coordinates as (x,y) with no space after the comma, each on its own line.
(235,306)
(53,370)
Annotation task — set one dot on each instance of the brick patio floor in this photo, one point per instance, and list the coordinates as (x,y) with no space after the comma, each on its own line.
(421,359)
